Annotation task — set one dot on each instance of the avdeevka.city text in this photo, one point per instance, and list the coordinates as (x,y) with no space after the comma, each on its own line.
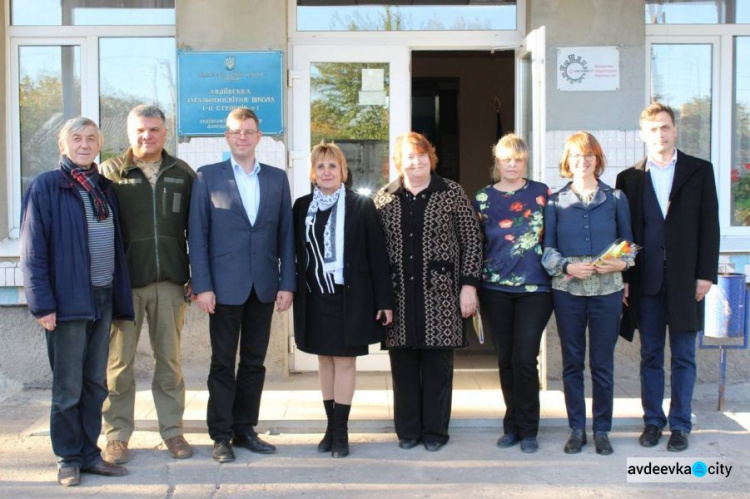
(678,469)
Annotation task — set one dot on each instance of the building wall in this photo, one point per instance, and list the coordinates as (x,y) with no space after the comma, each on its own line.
(575,23)
(4,193)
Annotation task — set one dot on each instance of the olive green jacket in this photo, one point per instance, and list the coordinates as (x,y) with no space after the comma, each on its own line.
(153,220)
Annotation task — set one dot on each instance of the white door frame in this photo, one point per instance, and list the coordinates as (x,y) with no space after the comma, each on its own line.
(534,48)
(302,56)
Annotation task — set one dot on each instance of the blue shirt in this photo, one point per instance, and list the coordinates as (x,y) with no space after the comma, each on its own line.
(513,226)
(661,179)
(249,187)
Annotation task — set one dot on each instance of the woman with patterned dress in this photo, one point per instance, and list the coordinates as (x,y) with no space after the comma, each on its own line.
(344,296)
(515,289)
(435,250)
(582,220)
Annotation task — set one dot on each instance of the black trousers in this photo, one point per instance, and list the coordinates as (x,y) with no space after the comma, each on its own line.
(234,401)
(422,393)
(516,322)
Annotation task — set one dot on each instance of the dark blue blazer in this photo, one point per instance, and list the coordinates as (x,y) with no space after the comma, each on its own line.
(229,255)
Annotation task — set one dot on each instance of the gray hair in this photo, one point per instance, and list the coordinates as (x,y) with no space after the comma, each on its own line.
(146,111)
(72,126)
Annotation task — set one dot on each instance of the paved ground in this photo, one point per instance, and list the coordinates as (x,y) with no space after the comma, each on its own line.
(470,465)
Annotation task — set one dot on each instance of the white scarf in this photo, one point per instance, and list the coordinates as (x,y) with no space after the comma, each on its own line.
(333,233)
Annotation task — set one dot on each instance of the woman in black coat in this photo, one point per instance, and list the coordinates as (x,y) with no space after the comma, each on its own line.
(344,295)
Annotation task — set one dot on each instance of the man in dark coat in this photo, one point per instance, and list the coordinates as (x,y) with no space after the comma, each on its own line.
(674,210)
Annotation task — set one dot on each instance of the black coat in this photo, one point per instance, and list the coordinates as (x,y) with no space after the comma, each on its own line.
(367,274)
(691,233)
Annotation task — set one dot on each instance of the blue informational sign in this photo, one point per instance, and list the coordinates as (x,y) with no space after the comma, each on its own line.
(211,84)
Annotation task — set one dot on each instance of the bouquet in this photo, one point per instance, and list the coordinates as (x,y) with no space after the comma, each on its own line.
(616,250)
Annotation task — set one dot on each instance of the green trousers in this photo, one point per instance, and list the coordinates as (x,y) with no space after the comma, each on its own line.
(163,305)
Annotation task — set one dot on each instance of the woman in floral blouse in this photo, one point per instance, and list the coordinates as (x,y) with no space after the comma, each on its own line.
(582,220)
(515,289)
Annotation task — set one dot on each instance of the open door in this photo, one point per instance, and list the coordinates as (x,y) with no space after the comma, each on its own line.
(531,124)
(358,97)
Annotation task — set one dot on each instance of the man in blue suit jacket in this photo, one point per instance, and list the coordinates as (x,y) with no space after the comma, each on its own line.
(242,258)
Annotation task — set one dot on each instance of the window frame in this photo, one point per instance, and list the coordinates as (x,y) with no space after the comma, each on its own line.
(435,40)
(734,239)
(87,37)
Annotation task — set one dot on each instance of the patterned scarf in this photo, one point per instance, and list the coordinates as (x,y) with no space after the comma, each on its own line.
(333,233)
(89,180)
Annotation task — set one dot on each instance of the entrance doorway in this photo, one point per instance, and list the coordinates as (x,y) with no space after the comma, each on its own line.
(463,102)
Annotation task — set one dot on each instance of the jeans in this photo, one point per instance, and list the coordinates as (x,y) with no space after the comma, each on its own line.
(653,329)
(602,314)
(77,353)
(516,322)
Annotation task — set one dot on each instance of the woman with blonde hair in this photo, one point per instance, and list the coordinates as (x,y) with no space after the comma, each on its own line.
(344,297)
(515,289)
(582,220)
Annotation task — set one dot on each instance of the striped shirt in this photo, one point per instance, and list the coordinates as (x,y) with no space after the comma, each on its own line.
(101,244)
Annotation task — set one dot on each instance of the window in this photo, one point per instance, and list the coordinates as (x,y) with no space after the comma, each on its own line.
(681,78)
(740,173)
(61,66)
(313,15)
(92,12)
(697,11)
(135,71)
(699,63)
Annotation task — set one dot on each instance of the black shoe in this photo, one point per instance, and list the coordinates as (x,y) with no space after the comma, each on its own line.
(408,443)
(650,436)
(432,446)
(575,442)
(529,445)
(678,441)
(340,444)
(105,468)
(508,440)
(601,442)
(253,443)
(223,452)
(327,442)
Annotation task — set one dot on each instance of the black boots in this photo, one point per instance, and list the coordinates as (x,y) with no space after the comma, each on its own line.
(327,442)
(340,445)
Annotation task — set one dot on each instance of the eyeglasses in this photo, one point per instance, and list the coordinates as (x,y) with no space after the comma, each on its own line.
(578,157)
(243,133)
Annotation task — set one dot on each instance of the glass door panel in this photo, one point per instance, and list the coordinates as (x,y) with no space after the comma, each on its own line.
(349,105)
(49,93)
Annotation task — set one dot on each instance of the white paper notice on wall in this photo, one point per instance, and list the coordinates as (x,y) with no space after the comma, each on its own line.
(588,69)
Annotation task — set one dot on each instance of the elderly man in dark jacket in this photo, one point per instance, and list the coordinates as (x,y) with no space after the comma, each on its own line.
(674,210)
(76,281)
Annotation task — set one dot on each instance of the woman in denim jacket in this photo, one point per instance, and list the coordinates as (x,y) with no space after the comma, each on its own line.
(582,220)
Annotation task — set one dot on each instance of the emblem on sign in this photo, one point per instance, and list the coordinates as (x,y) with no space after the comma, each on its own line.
(574,69)
(229,63)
